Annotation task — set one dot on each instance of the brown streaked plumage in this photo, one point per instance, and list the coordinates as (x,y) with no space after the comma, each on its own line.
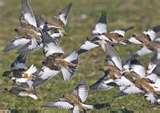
(115,38)
(113,72)
(28,31)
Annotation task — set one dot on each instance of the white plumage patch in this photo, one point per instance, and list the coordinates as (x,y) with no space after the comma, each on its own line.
(117,62)
(87,106)
(143,51)
(139,69)
(21,80)
(60,105)
(134,40)
(151,67)
(83,93)
(51,48)
(66,74)
(73,56)
(100,28)
(123,81)
(132,90)
(120,32)
(76,109)
(153,77)
(31,70)
(157,83)
(30,19)
(88,45)
(150,97)
(151,34)
(47,73)
(62,18)
(20,41)
(25,94)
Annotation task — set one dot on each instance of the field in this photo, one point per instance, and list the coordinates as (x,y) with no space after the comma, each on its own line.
(121,13)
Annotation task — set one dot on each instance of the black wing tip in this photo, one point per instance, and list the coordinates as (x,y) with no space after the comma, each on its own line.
(70,5)
(156,28)
(128,28)
(102,105)
(103,17)
(67,9)
(81,51)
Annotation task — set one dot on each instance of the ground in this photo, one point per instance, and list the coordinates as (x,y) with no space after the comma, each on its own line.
(120,13)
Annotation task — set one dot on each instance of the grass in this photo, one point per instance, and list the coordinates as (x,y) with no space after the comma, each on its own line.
(121,13)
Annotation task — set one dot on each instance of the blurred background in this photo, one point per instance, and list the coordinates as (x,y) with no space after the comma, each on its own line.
(120,13)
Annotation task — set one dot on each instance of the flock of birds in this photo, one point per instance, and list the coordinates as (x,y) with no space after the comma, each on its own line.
(130,76)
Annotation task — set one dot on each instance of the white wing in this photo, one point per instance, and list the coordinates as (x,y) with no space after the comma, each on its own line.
(139,69)
(82,90)
(88,46)
(32,69)
(47,73)
(153,77)
(134,40)
(151,34)
(150,97)
(72,57)
(101,25)
(143,51)
(112,54)
(27,13)
(64,13)
(51,48)
(67,73)
(132,90)
(18,42)
(76,109)
(60,105)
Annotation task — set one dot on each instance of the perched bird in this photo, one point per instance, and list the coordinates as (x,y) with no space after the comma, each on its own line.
(147,40)
(74,101)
